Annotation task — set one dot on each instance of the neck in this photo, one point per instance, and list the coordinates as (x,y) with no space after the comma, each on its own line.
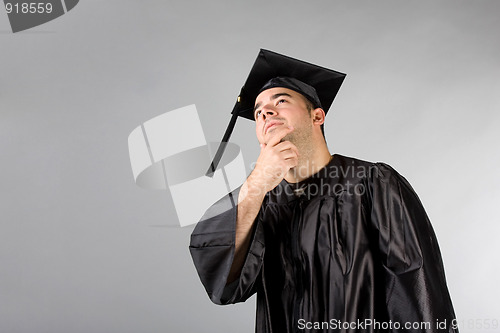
(310,162)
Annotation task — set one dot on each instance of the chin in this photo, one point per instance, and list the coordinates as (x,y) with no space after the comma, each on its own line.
(290,137)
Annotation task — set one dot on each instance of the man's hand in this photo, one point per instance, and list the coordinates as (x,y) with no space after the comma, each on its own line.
(275,159)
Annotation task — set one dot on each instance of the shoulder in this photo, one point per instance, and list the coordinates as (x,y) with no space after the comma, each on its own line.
(371,174)
(363,169)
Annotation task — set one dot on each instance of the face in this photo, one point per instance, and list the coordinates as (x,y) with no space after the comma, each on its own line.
(277,107)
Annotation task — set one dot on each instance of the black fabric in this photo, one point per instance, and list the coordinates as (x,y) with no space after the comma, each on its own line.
(296,85)
(351,243)
(268,65)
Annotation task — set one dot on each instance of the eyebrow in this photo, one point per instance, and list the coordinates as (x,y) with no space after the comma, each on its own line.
(273,97)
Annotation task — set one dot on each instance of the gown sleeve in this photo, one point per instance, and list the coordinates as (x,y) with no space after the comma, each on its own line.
(412,268)
(212,249)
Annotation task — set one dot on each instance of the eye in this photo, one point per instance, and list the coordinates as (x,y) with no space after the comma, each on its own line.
(281,101)
(258,113)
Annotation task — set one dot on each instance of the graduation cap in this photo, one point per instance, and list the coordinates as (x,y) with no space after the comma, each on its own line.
(318,84)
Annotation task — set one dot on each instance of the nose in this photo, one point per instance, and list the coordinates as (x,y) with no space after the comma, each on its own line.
(268,112)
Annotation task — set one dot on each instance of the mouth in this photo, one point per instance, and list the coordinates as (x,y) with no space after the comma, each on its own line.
(271,125)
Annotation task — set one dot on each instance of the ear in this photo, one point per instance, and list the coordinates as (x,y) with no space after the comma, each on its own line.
(318,116)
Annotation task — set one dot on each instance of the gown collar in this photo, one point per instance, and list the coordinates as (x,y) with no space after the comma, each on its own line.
(318,184)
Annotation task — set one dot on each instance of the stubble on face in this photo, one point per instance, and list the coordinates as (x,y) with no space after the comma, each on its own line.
(302,134)
(301,137)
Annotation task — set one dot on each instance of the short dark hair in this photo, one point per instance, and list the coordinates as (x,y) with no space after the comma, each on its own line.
(310,107)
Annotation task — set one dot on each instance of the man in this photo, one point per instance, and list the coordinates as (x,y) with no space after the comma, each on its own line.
(329,243)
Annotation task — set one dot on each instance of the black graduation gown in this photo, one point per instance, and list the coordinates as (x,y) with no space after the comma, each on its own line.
(354,253)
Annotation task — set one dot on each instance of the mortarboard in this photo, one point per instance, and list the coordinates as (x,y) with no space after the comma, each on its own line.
(318,84)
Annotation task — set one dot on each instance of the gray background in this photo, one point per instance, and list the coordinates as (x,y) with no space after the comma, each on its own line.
(83,249)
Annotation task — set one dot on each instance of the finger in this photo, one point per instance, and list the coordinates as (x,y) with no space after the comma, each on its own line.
(291,162)
(288,154)
(284,145)
(287,145)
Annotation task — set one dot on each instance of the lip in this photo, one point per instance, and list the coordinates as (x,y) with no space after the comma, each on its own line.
(272,124)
